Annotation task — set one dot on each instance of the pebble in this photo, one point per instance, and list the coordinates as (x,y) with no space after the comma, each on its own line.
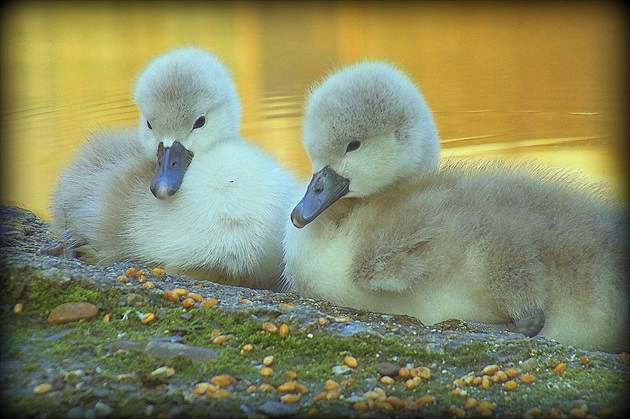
(167,350)
(388,368)
(72,312)
(275,409)
(75,413)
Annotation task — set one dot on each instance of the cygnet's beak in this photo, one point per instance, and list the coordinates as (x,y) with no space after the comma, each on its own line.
(171,167)
(325,189)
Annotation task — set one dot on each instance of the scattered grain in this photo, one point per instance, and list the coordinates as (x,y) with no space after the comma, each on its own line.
(209,303)
(527,378)
(559,369)
(290,398)
(142,279)
(584,360)
(360,406)
(266,388)
(423,372)
(246,301)
(470,403)
(220,394)
(171,296)
(323,322)
(248,347)
(148,285)
(412,383)
(578,413)
(426,399)
(512,372)
(18,308)
(458,412)
(510,385)
(268,360)
(331,385)
(283,332)
(131,272)
(342,319)
(490,369)
(148,318)
(197,297)
(106,318)
(188,303)
(350,361)
(158,271)
(220,340)
(270,328)
(266,372)
(625,357)
(43,388)
(122,279)
(204,387)
(387,380)
(487,405)
(180,291)
(533,412)
(290,374)
(163,371)
(285,306)
(222,380)
(485,383)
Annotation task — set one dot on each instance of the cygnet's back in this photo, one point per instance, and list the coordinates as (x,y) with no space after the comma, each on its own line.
(505,247)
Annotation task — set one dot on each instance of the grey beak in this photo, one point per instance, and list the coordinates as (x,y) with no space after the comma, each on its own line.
(171,167)
(325,189)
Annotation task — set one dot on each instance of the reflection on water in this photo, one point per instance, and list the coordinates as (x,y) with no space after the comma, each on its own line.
(504,81)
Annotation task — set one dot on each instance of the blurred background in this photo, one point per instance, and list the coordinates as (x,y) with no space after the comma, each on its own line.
(511,81)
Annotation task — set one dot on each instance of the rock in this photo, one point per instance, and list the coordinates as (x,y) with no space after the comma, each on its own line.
(110,363)
(388,368)
(277,409)
(167,350)
(72,312)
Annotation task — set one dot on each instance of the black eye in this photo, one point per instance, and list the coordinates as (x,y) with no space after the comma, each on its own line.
(200,122)
(149,125)
(353,145)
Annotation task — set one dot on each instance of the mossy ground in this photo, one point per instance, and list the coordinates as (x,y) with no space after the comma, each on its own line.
(78,360)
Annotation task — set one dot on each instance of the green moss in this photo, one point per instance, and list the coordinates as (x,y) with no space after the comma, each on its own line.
(52,350)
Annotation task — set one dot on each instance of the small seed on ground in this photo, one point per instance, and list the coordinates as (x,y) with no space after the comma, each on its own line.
(209,303)
(222,380)
(510,385)
(350,361)
(180,291)
(559,369)
(171,296)
(158,271)
(43,388)
(527,378)
(283,332)
(188,303)
(270,328)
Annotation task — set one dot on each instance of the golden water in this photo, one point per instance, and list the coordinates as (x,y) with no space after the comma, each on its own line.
(509,81)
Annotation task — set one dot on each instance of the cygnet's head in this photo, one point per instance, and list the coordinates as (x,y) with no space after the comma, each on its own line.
(187,103)
(365,128)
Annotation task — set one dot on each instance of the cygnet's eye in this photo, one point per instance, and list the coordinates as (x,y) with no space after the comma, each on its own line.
(353,145)
(200,122)
(149,125)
